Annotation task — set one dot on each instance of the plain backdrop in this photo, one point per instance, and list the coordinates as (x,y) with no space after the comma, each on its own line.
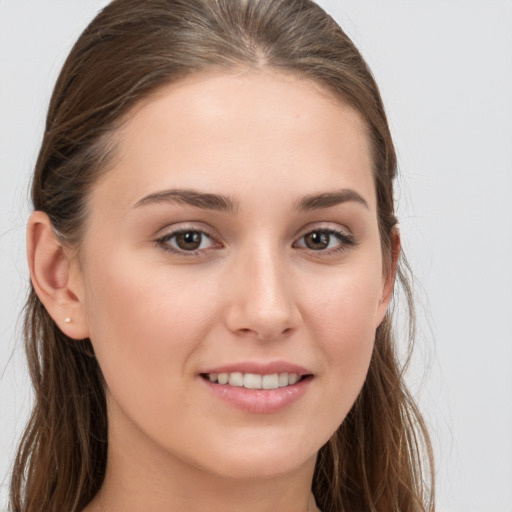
(445,72)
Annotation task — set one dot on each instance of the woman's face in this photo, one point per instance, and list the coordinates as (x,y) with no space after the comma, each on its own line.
(234,239)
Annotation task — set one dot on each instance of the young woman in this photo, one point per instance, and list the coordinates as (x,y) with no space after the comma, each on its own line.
(213,253)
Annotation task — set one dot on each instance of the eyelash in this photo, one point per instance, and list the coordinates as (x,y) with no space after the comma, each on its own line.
(163,242)
(346,241)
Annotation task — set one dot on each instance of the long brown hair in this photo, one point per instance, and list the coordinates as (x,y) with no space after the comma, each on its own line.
(380,457)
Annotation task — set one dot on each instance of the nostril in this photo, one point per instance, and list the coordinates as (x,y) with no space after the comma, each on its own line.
(267,321)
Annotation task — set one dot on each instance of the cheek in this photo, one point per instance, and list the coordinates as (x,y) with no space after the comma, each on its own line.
(345,307)
(142,322)
(146,333)
(348,334)
(344,321)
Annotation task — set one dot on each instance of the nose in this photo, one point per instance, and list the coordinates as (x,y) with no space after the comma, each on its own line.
(262,303)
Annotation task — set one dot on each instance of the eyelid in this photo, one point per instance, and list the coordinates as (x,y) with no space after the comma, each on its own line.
(324,226)
(166,234)
(345,237)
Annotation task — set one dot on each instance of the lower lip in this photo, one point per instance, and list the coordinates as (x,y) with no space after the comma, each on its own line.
(259,401)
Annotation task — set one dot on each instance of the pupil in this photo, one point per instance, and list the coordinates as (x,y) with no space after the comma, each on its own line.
(190,240)
(317,240)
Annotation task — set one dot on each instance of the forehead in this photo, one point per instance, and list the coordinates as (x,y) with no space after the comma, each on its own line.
(241,129)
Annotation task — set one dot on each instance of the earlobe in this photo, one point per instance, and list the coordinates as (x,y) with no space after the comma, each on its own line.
(390,276)
(50,266)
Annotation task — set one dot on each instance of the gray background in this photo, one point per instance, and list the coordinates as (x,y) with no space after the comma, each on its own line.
(445,72)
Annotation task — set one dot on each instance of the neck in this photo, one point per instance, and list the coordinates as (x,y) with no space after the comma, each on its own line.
(256,497)
(141,477)
(193,492)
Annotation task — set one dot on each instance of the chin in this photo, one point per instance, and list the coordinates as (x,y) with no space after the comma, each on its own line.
(264,468)
(263,460)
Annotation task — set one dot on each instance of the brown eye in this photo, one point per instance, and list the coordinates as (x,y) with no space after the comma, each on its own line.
(317,240)
(189,240)
(325,241)
(186,241)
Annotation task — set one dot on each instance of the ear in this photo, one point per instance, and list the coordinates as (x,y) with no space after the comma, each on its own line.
(389,276)
(56,277)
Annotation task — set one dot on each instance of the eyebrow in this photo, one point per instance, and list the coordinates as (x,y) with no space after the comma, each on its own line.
(329,199)
(219,202)
(193,198)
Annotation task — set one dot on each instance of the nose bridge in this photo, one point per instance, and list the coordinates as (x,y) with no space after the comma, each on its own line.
(263,303)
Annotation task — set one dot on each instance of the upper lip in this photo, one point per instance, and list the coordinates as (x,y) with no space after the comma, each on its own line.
(260,368)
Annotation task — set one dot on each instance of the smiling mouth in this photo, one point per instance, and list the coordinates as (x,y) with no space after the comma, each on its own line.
(255,380)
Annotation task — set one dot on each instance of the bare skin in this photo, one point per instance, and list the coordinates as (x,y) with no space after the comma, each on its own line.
(170,289)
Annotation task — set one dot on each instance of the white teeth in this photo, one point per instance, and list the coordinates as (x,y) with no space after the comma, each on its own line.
(270,381)
(283,380)
(254,380)
(236,379)
(222,378)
